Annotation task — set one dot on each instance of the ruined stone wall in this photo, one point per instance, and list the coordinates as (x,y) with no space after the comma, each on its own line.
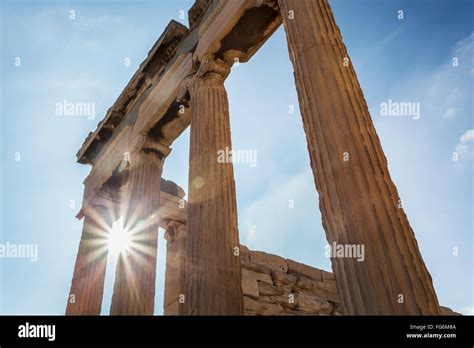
(273,285)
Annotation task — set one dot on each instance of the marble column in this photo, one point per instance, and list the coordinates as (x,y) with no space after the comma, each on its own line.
(134,288)
(87,288)
(358,200)
(173,302)
(213,279)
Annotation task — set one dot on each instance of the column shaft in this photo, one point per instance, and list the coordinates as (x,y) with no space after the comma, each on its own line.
(359,202)
(87,288)
(173,301)
(213,279)
(134,288)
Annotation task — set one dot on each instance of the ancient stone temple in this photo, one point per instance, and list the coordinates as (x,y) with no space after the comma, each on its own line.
(181,84)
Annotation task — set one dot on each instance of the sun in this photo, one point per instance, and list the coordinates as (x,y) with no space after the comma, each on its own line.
(119,238)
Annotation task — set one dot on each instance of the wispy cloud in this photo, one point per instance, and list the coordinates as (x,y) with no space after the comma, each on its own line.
(443,91)
(451,113)
(376,49)
(450,84)
(465,146)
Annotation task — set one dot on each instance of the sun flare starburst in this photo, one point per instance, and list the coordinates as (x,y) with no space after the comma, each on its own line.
(119,238)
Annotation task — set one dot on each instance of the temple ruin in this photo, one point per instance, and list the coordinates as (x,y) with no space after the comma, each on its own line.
(181,84)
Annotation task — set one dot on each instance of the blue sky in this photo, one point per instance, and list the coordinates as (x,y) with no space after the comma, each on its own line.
(82,60)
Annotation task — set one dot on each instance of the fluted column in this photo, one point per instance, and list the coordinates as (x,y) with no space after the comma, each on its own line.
(134,288)
(359,202)
(213,279)
(173,302)
(87,287)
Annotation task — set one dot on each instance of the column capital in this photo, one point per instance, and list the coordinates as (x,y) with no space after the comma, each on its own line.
(99,202)
(211,72)
(148,149)
(212,65)
(173,230)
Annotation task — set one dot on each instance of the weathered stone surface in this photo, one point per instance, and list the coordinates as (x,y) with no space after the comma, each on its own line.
(273,262)
(287,312)
(173,286)
(327,275)
(175,236)
(327,295)
(254,307)
(134,287)
(358,199)
(309,302)
(258,276)
(324,290)
(284,279)
(161,53)
(303,313)
(286,300)
(250,286)
(305,270)
(244,253)
(213,272)
(174,308)
(196,12)
(336,308)
(448,311)
(87,285)
(269,290)
(304,283)
(257,284)
(172,188)
(327,285)
(255,267)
